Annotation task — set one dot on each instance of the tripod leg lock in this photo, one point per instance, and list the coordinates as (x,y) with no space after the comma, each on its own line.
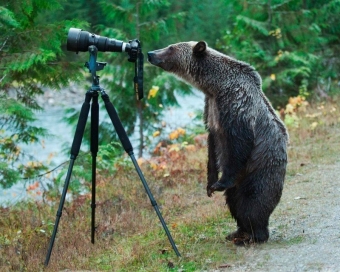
(93,206)
(59,213)
(153,203)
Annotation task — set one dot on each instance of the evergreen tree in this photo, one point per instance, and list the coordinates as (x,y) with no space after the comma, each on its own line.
(293,44)
(204,19)
(30,60)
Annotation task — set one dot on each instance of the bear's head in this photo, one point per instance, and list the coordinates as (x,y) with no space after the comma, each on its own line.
(179,56)
(203,67)
(185,59)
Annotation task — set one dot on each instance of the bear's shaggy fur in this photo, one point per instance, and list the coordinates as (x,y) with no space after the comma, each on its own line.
(247,141)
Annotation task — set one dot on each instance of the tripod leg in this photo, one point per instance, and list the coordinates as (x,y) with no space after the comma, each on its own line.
(154,204)
(94,151)
(128,148)
(74,153)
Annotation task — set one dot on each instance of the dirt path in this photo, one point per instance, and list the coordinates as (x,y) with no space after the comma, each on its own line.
(305,227)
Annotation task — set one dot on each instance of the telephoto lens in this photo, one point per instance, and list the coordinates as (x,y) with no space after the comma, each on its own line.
(79,41)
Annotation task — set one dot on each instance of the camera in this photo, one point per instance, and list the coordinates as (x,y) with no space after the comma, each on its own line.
(79,40)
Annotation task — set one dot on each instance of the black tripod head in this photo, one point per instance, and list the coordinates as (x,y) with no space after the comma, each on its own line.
(94,66)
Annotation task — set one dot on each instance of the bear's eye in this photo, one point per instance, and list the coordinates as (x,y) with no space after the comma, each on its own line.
(171,48)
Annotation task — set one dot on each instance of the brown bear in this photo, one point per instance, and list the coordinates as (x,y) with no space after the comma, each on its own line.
(247,141)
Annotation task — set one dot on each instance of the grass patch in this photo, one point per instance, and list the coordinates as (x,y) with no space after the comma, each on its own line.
(294,240)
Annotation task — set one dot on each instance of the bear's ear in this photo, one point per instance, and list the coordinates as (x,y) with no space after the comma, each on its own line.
(200,48)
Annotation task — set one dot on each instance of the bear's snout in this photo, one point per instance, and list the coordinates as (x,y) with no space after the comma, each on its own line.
(160,59)
(152,58)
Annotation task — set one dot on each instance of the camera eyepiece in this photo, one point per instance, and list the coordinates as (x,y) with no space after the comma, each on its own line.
(79,41)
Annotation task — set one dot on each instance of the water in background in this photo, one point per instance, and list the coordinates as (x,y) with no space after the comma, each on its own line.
(51,119)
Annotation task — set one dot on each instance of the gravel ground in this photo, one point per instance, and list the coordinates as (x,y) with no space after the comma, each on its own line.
(305,227)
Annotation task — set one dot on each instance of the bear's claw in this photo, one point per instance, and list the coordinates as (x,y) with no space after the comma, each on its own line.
(210,192)
(220,187)
(239,238)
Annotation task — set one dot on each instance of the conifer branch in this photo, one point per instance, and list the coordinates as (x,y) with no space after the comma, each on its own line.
(1,79)
(3,45)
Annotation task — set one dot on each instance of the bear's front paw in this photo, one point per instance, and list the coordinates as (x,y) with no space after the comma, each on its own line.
(210,191)
(220,186)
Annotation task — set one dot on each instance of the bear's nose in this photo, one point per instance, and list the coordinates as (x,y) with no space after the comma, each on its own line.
(153,58)
(150,55)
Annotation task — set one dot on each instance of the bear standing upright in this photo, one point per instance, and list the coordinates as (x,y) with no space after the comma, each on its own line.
(247,141)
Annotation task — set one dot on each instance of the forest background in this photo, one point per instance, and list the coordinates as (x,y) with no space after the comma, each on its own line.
(294,45)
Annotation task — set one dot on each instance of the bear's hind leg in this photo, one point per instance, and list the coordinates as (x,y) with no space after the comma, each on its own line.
(249,234)
(237,235)
(257,233)
(251,207)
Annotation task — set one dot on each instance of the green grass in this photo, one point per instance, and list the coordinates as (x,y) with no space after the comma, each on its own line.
(295,240)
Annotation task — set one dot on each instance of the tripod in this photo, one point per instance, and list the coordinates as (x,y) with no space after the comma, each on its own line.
(92,94)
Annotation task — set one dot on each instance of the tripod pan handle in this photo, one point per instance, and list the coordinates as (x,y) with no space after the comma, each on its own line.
(117,124)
